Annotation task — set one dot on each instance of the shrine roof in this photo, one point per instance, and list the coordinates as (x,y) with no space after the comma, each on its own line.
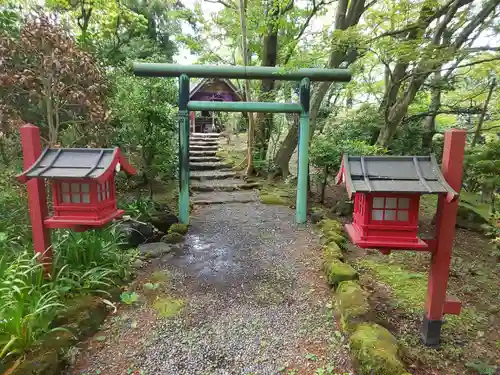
(198,86)
(92,163)
(393,174)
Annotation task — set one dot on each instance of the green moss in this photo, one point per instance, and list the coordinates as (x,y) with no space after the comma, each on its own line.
(409,288)
(335,237)
(338,272)
(351,304)
(273,199)
(168,306)
(173,237)
(160,276)
(327,225)
(178,228)
(332,252)
(376,351)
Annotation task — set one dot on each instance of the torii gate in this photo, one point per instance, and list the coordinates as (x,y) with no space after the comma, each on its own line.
(184,72)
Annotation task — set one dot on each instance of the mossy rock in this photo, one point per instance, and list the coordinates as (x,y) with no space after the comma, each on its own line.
(330,225)
(173,237)
(332,252)
(178,228)
(375,351)
(168,306)
(338,271)
(351,304)
(334,237)
(273,199)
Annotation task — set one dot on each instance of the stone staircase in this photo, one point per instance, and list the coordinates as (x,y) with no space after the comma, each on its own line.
(212,180)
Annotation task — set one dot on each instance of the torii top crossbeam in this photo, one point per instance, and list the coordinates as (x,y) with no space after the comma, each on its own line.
(240,72)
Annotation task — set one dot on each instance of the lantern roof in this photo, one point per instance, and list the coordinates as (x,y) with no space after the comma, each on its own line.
(393,174)
(77,163)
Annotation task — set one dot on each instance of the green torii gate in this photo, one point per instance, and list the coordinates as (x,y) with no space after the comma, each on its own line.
(184,72)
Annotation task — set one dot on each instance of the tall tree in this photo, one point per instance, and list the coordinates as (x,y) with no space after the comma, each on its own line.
(342,51)
(434,39)
(46,79)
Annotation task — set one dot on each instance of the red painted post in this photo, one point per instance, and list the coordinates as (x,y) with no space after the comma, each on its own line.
(37,198)
(437,304)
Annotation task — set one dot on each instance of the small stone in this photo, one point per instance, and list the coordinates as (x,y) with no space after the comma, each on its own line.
(178,228)
(316,217)
(173,237)
(138,263)
(154,249)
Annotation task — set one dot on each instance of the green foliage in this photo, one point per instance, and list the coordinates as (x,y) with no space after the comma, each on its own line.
(139,206)
(351,135)
(482,167)
(28,304)
(129,298)
(86,262)
(145,124)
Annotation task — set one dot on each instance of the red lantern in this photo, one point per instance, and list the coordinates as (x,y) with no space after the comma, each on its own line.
(83,187)
(386,192)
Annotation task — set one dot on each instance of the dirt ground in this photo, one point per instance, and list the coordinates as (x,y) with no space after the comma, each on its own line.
(244,294)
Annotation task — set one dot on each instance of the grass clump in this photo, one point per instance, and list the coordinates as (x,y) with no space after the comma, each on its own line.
(274,199)
(178,228)
(168,306)
(376,351)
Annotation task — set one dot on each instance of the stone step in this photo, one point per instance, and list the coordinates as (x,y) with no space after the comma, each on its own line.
(211,175)
(223,185)
(204,135)
(208,198)
(203,143)
(199,154)
(202,148)
(208,166)
(204,159)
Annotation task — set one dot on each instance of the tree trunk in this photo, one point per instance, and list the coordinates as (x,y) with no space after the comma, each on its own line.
(477,133)
(265,120)
(286,150)
(251,125)
(429,122)
(347,15)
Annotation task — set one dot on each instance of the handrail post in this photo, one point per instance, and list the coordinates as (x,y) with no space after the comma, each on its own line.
(301,205)
(183,149)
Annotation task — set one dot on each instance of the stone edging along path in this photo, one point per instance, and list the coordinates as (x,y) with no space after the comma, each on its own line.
(374,348)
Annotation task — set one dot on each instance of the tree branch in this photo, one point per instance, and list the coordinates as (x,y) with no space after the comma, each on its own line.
(458,111)
(222,2)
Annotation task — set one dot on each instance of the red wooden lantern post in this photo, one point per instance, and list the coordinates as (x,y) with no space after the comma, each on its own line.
(37,198)
(386,192)
(82,184)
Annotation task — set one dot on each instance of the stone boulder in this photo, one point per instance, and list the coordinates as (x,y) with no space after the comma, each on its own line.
(162,217)
(154,249)
(376,351)
(469,218)
(136,233)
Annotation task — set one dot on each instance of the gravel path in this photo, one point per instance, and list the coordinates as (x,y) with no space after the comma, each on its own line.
(255,302)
